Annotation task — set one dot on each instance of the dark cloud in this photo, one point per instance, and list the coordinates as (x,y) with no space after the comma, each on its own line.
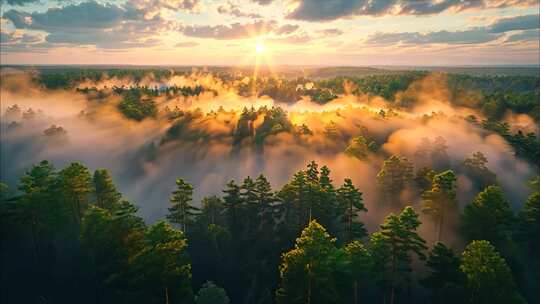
(287,29)
(332,32)
(232,9)
(101,25)
(84,15)
(237,30)
(263,2)
(326,10)
(530,35)
(18,2)
(526,22)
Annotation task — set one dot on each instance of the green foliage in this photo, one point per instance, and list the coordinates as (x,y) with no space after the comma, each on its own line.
(529,220)
(350,200)
(234,210)
(476,168)
(107,196)
(360,266)
(489,218)
(239,240)
(392,248)
(423,178)
(360,147)
(441,198)
(211,294)
(76,186)
(161,268)
(310,273)
(137,107)
(395,174)
(488,277)
(526,146)
(445,280)
(181,212)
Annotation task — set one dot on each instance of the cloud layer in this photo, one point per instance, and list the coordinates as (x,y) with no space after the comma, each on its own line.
(326,10)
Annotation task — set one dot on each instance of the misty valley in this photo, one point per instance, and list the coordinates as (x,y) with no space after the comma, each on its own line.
(158,184)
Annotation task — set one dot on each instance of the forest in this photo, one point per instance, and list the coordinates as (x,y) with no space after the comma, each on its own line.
(166,186)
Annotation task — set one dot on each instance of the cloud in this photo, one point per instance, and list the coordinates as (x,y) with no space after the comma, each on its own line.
(187,44)
(103,25)
(525,22)
(18,2)
(327,10)
(263,2)
(287,29)
(530,35)
(459,37)
(237,30)
(293,39)
(232,9)
(20,40)
(331,32)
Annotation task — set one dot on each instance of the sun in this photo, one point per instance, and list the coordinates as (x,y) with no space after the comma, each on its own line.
(260,47)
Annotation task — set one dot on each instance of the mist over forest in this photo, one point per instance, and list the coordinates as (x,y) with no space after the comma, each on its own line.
(394,136)
(210,129)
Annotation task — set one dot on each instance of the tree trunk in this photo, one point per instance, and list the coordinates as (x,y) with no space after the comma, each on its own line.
(441,223)
(350,221)
(355,295)
(308,300)
(35,245)
(392,286)
(96,279)
(166,295)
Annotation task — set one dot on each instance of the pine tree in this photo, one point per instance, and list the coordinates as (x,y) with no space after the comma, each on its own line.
(266,200)
(106,194)
(233,208)
(76,185)
(161,269)
(475,167)
(211,210)
(312,172)
(440,199)
(489,279)
(439,156)
(295,205)
(310,273)
(395,174)
(445,280)
(392,247)
(360,265)
(529,223)
(489,217)
(248,195)
(181,212)
(352,203)
(37,207)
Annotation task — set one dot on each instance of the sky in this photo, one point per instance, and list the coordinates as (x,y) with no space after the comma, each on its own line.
(276,32)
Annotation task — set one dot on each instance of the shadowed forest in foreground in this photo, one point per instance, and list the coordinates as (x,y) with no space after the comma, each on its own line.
(71,235)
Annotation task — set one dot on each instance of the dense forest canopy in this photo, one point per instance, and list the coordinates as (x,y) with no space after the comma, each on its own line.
(406,186)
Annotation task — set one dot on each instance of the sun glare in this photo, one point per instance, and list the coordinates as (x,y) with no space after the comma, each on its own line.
(260,48)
